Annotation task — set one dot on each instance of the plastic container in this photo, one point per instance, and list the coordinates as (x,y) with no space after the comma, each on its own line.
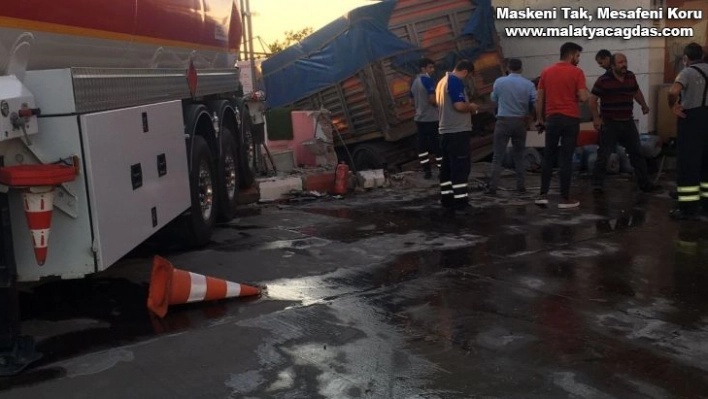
(578,159)
(532,159)
(650,145)
(625,164)
(613,164)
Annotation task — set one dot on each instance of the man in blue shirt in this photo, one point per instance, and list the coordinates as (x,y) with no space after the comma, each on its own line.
(454,111)
(426,116)
(515,97)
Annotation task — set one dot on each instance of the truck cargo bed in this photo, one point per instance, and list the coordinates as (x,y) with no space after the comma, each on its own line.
(368,93)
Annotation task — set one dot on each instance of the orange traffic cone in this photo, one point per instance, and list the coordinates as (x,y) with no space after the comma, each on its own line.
(39,203)
(171,286)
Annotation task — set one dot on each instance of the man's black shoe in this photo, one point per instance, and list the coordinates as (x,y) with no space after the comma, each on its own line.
(651,188)
(466,209)
(679,214)
(460,206)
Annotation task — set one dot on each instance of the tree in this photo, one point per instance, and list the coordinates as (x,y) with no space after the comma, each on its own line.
(291,37)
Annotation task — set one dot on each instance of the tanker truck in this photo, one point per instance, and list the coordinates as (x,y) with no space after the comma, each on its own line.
(117,120)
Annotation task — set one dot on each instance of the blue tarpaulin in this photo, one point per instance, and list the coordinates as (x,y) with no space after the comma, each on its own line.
(480,26)
(331,54)
(346,45)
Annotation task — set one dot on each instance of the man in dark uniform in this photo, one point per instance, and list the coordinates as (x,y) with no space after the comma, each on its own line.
(426,116)
(455,130)
(691,85)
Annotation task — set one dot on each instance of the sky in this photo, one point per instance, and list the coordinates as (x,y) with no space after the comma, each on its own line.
(274,17)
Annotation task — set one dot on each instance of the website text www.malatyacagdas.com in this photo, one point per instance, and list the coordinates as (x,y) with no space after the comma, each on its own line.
(592,32)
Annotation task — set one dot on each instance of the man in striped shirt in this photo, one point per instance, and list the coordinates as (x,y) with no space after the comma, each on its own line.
(617,90)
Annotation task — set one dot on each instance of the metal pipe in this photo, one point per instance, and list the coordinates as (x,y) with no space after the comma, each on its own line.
(244,32)
(250,51)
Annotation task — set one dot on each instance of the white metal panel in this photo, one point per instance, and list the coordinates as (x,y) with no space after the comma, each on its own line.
(13,95)
(54,91)
(113,142)
(70,240)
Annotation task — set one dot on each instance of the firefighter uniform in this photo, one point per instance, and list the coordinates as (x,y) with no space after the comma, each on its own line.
(426,119)
(455,130)
(692,142)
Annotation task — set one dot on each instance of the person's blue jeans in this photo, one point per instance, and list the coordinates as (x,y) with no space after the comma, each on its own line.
(563,129)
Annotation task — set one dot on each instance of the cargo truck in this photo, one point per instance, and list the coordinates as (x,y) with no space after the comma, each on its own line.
(360,68)
(117,120)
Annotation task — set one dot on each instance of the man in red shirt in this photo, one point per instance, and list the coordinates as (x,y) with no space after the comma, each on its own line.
(561,89)
(617,90)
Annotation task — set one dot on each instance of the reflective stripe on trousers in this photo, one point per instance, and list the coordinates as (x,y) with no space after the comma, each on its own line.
(460,190)
(689,193)
(704,190)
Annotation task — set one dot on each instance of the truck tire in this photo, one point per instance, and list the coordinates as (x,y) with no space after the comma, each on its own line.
(246,152)
(228,176)
(368,157)
(202,183)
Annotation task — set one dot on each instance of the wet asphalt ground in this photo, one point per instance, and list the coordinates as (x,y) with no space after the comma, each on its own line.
(383,295)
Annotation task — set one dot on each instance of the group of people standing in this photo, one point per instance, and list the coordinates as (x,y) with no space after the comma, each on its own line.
(443,117)
(445,124)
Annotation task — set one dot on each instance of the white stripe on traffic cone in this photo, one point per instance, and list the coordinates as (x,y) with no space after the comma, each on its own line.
(39,204)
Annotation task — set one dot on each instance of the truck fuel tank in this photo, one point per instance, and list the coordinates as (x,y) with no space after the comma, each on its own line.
(123,34)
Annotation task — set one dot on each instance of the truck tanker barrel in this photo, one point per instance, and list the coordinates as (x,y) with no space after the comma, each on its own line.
(122,34)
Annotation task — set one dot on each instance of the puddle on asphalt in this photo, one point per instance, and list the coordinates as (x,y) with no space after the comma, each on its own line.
(305,291)
(96,314)
(296,244)
(372,222)
(239,227)
(75,317)
(404,267)
(301,243)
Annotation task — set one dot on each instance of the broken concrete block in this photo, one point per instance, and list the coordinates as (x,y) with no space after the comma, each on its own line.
(322,182)
(371,178)
(277,188)
(380,178)
(352,181)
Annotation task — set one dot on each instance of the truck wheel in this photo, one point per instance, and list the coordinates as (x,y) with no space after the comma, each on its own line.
(368,157)
(228,173)
(246,152)
(202,184)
